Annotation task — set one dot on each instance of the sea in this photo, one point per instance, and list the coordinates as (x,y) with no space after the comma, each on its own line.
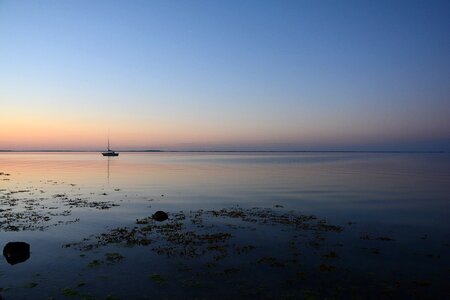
(231,225)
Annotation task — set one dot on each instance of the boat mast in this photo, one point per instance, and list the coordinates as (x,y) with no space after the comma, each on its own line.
(108,141)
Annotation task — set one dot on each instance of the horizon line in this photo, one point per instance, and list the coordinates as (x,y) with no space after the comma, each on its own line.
(223,151)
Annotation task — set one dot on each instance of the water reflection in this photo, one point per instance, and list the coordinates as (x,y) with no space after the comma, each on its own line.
(108,166)
(228,217)
(16,252)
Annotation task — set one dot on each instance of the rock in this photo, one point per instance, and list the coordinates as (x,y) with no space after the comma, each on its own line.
(160,216)
(16,252)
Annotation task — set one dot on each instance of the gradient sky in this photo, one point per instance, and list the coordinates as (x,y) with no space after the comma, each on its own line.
(283,75)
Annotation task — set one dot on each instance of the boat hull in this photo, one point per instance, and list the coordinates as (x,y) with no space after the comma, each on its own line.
(110,154)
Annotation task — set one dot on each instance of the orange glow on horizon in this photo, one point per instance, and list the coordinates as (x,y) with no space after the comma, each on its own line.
(45,131)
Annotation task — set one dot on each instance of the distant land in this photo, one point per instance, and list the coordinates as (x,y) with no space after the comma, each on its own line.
(227,151)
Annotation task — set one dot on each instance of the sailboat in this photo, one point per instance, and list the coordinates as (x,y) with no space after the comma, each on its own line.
(110,152)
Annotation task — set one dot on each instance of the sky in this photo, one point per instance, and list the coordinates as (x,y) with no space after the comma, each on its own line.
(225,75)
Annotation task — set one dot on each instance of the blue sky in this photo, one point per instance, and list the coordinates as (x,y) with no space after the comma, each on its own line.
(225,74)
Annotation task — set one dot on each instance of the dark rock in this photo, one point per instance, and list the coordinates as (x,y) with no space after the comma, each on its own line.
(160,216)
(16,252)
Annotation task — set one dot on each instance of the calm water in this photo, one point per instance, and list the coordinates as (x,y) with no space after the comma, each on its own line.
(237,226)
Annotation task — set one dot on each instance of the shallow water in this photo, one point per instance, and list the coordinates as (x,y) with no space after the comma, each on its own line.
(381,227)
